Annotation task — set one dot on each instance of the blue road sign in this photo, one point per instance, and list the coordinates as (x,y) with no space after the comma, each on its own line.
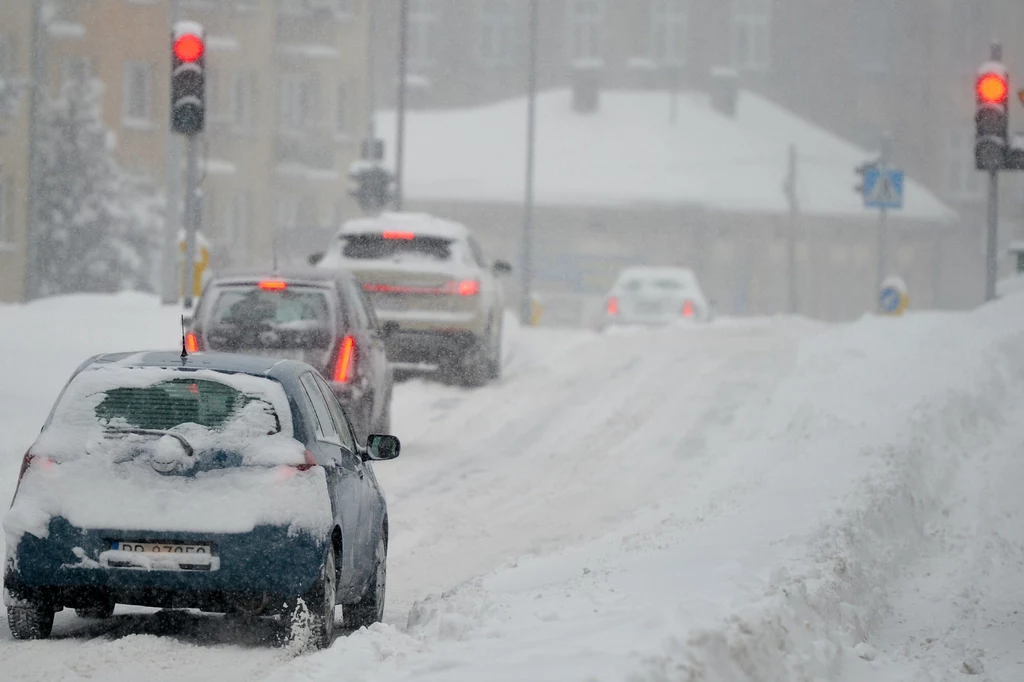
(890,300)
(883,188)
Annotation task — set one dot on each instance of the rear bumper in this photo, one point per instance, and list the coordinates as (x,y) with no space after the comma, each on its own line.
(67,568)
(430,347)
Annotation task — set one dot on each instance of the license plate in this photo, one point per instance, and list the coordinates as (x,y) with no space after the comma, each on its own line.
(158,548)
(648,308)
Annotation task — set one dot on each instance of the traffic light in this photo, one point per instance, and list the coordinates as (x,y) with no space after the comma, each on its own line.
(188,76)
(991,117)
(371,185)
(862,171)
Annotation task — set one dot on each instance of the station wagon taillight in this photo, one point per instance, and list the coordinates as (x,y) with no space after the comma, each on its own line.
(30,460)
(346,360)
(288,472)
(192,342)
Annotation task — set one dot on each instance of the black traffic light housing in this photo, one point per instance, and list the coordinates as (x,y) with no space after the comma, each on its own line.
(992,115)
(372,185)
(862,171)
(188,78)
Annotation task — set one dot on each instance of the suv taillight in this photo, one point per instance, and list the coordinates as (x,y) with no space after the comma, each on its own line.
(344,364)
(192,344)
(687,310)
(613,306)
(27,461)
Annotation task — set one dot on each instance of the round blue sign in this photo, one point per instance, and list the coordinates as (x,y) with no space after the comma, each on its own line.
(890,300)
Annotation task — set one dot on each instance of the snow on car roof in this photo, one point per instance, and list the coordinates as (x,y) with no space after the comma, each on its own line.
(423,224)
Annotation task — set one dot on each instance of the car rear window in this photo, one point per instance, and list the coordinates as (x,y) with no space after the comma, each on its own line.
(179,401)
(285,308)
(382,247)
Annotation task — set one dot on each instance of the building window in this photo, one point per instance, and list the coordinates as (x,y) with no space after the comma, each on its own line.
(298,102)
(873,22)
(422,34)
(243,99)
(496,30)
(341,111)
(138,87)
(586,39)
(75,69)
(670,28)
(751,34)
(964,178)
(8,93)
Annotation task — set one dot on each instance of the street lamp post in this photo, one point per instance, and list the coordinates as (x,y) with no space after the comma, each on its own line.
(403,62)
(525,305)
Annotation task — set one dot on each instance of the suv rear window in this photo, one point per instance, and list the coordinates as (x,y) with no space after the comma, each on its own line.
(377,247)
(176,402)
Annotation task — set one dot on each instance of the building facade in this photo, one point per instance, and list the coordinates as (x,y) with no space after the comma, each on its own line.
(287,108)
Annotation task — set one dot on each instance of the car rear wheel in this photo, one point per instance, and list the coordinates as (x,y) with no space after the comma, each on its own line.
(496,357)
(30,621)
(105,610)
(370,608)
(315,611)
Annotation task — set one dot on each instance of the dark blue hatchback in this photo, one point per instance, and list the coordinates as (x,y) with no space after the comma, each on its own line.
(213,481)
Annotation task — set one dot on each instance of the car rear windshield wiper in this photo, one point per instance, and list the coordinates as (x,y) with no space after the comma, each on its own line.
(189,450)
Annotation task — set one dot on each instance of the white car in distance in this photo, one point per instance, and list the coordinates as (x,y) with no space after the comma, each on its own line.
(655,296)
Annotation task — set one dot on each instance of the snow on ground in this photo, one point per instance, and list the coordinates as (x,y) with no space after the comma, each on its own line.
(752,500)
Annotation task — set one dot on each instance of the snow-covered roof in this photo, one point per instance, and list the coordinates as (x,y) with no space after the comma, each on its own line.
(422,224)
(629,152)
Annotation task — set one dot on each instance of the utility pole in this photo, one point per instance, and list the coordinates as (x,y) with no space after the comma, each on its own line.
(38,85)
(526,301)
(169,272)
(883,237)
(792,198)
(403,67)
(371,76)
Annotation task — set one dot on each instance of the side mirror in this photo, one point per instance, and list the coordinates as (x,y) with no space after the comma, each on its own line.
(316,258)
(502,267)
(380,448)
(389,328)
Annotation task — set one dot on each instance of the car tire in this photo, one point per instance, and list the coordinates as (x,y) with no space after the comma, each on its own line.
(100,612)
(318,609)
(30,621)
(496,357)
(370,608)
(475,369)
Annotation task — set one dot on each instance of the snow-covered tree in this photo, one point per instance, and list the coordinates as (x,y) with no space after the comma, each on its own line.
(97,224)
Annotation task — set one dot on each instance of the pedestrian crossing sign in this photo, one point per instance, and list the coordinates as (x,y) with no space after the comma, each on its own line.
(883,188)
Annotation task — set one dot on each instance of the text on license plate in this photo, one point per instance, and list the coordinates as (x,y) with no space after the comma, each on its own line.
(155,548)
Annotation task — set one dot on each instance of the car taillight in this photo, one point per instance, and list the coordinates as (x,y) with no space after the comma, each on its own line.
(30,460)
(345,361)
(688,309)
(613,306)
(192,342)
(467,287)
(289,471)
(399,234)
(308,464)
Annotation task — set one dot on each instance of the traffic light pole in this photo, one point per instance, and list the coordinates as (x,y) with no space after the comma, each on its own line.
(883,214)
(403,68)
(191,215)
(526,297)
(991,247)
(169,271)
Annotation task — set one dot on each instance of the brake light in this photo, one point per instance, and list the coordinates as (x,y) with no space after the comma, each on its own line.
(273,285)
(613,306)
(288,472)
(309,463)
(192,342)
(688,308)
(468,287)
(394,234)
(343,366)
(27,461)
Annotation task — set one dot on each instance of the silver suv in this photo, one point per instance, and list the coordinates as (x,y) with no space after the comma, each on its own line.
(428,278)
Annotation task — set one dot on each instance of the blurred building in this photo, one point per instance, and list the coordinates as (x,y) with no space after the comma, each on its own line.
(855,67)
(287,108)
(15,63)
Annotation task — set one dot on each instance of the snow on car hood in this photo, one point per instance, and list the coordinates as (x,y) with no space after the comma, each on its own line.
(95,478)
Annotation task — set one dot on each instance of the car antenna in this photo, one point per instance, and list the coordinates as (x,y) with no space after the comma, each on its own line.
(184,349)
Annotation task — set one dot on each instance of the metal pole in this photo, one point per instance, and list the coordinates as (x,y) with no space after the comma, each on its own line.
(794,219)
(371,76)
(38,85)
(525,303)
(169,271)
(993,229)
(883,245)
(191,216)
(403,58)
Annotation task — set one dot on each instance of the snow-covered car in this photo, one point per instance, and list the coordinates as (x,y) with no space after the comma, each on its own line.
(222,482)
(429,277)
(655,296)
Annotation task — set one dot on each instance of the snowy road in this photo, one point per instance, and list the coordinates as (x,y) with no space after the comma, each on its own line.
(736,502)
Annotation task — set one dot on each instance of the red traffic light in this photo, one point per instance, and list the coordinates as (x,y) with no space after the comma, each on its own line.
(992,88)
(188,48)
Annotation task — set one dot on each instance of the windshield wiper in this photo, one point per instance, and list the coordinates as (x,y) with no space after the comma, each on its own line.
(189,450)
